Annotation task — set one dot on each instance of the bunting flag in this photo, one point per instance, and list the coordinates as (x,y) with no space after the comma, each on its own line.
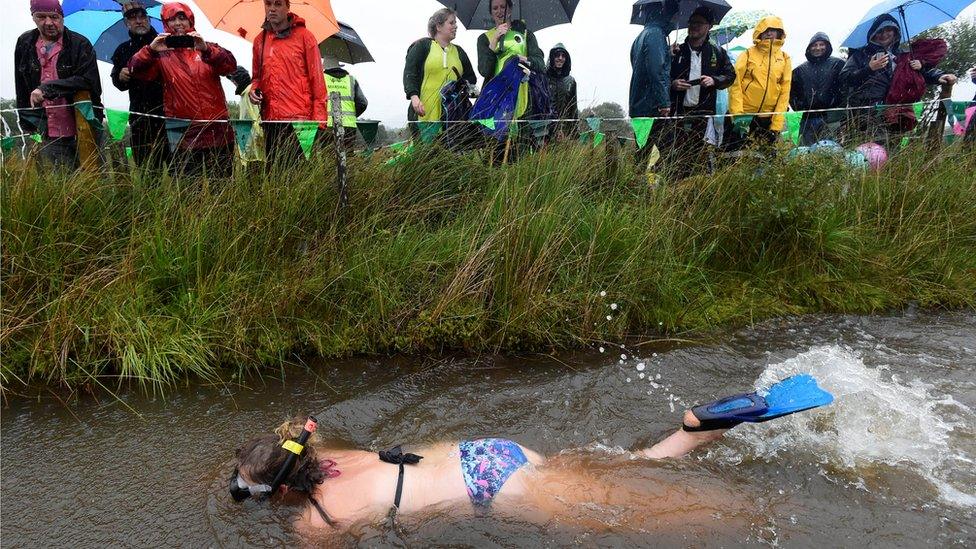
(117,122)
(594,123)
(429,130)
(368,129)
(642,130)
(950,113)
(741,123)
(128,152)
(242,131)
(86,110)
(540,128)
(306,132)
(7,144)
(959,108)
(598,138)
(175,128)
(918,108)
(487,122)
(793,126)
(36,137)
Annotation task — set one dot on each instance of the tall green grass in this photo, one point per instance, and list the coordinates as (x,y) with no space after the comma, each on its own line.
(113,276)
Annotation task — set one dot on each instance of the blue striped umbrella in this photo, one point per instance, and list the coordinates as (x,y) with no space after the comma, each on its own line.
(100,21)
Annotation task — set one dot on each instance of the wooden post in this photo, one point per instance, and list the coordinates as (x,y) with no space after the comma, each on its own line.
(937,129)
(339,133)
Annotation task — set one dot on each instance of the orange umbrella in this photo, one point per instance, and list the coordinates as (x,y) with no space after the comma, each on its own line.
(245,17)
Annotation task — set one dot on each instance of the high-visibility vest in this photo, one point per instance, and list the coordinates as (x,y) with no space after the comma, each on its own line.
(347,102)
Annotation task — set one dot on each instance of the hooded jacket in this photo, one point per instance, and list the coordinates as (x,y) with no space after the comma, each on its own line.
(763,76)
(650,61)
(191,84)
(77,73)
(145,96)
(863,86)
(288,71)
(714,63)
(816,83)
(562,86)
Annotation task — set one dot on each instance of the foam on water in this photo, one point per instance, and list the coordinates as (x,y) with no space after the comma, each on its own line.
(876,418)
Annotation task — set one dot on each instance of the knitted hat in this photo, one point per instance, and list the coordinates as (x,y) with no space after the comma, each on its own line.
(46,6)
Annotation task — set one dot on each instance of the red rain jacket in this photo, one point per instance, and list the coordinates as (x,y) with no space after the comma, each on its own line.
(288,71)
(191,84)
(908,85)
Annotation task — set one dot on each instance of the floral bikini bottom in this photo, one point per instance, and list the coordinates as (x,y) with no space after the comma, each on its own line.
(486,463)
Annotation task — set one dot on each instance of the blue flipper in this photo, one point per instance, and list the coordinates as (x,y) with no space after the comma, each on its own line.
(793,394)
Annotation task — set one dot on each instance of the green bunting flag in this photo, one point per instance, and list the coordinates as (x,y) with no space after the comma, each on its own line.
(117,121)
(86,110)
(918,108)
(7,143)
(642,130)
(487,122)
(594,123)
(429,130)
(306,132)
(175,128)
(36,137)
(242,131)
(128,152)
(959,109)
(598,138)
(793,126)
(741,123)
(368,129)
(540,128)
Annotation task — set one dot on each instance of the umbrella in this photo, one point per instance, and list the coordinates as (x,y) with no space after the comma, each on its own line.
(685,9)
(346,46)
(100,21)
(537,14)
(245,17)
(917,15)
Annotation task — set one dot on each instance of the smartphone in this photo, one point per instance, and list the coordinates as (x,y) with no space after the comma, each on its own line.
(695,82)
(182,41)
(879,55)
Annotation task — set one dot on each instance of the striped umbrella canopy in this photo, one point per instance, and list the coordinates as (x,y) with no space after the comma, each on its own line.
(100,21)
(245,17)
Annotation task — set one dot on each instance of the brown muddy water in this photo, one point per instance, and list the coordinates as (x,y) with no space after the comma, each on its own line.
(892,463)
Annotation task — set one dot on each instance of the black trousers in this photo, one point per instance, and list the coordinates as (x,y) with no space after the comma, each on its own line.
(281,145)
(214,161)
(150,147)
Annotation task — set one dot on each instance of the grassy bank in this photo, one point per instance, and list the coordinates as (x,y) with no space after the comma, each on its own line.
(113,276)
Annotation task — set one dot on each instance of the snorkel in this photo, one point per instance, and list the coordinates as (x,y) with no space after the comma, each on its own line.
(240,490)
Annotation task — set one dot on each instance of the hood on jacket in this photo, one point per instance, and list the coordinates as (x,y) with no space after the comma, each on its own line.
(766,23)
(170,10)
(551,69)
(883,21)
(662,15)
(337,72)
(820,37)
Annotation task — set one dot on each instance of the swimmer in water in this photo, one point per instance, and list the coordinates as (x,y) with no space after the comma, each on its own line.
(339,488)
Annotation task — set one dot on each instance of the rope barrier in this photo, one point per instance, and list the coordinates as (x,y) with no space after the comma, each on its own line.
(498,120)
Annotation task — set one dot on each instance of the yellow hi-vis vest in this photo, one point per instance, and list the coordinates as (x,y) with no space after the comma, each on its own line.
(347,102)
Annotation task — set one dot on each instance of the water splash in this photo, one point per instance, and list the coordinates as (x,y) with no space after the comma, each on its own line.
(876,419)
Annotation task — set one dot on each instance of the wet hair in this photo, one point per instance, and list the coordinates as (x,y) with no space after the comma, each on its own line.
(261,458)
(439,18)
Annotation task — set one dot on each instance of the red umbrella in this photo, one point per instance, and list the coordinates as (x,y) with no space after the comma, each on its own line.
(245,17)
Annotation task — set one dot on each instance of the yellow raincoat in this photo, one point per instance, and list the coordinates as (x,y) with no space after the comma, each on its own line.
(763,76)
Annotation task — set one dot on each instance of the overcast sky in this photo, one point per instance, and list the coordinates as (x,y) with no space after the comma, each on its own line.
(599,41)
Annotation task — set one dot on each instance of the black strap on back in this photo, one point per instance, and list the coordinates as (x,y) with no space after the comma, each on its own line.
(325,516)
(396,456)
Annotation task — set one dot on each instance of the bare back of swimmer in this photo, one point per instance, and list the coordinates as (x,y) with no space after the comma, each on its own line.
(342,488)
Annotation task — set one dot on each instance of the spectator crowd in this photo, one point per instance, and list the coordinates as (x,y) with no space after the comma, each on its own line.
(705,100)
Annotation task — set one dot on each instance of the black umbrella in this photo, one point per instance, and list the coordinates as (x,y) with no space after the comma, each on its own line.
(642,9)
(346,46)
(537,14)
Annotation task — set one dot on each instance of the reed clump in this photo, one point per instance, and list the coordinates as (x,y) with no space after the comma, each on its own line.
(154,279)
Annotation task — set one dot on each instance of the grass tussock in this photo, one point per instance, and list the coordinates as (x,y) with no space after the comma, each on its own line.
(156,279)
